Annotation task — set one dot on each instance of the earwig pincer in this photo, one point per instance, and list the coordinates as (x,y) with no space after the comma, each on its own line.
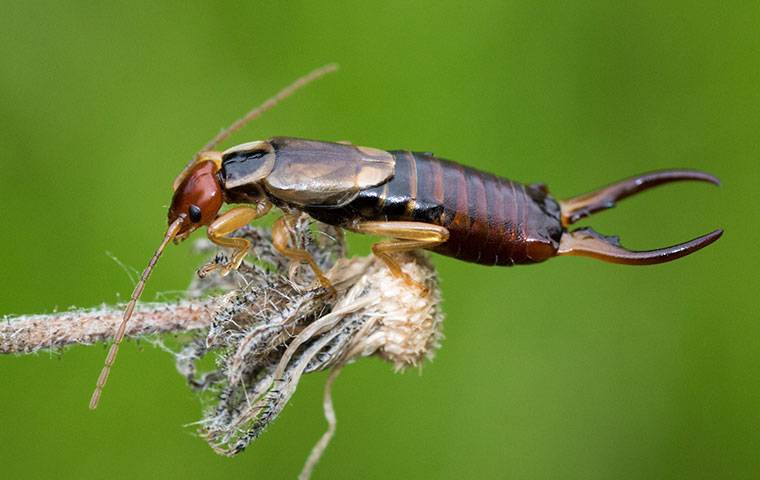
(416,199)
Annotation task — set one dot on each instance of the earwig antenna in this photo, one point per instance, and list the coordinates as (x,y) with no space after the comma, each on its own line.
(269,104)
(111,358)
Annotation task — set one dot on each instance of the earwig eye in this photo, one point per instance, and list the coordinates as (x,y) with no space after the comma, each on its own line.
(195,213)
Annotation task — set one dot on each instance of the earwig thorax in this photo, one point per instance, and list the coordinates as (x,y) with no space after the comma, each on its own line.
(247,164)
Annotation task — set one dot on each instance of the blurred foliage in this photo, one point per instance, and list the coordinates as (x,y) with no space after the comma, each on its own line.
(570,369)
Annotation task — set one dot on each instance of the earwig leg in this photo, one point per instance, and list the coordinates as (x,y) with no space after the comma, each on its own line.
(281,240)
(589,243)
(227,223)
(409,236)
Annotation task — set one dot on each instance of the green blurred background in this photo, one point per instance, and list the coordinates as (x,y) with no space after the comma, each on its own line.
(570,369)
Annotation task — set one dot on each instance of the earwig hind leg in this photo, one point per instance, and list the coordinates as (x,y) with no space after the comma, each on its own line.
(408,236)
(224,225)
(281,240)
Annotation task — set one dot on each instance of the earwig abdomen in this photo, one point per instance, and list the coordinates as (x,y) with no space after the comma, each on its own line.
(491,221)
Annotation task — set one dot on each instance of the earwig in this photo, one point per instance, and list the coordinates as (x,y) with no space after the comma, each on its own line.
(418,200)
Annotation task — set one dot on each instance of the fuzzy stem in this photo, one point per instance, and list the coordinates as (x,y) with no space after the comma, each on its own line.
(30,333)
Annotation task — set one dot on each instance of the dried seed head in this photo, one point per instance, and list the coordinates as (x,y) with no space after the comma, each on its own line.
(272,329)
(405,323)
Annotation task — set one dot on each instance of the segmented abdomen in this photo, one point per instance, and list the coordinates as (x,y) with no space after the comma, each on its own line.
(491,221)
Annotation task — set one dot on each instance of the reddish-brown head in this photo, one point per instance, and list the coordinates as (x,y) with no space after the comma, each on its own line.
(197,198)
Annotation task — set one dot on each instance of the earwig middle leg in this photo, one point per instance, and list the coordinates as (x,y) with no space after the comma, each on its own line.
(227,223)
(281,239)
(408,236)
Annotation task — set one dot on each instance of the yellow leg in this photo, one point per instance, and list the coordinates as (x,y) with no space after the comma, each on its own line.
(409,236)
(227,223)
(281,240)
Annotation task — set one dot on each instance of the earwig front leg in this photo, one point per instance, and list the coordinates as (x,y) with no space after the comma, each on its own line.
(409,236)
(281,240)
(226,224)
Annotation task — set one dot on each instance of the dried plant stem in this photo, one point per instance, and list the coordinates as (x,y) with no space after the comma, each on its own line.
(324,441)
(30,333)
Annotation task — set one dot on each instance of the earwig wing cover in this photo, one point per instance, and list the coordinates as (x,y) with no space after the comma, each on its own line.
(309,173)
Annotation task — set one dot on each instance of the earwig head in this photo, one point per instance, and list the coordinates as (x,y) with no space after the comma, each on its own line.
(198,198)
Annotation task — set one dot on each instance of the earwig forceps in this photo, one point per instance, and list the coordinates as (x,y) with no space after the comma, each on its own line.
(589,243)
